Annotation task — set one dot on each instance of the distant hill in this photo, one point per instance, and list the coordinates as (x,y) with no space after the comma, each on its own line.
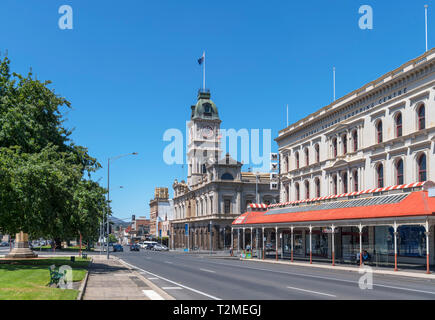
(119,222)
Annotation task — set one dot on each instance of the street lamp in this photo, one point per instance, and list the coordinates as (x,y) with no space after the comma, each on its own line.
(108,192)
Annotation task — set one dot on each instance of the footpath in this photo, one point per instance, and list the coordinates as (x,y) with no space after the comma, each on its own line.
(113,280)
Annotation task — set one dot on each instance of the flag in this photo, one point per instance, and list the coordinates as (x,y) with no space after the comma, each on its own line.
(201,60)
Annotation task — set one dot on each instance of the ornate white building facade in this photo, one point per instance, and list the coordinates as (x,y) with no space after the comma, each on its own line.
(379,135)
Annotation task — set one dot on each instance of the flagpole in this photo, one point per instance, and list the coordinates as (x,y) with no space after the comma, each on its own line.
(333,76)
(287,115)
(425,14)
(203,76)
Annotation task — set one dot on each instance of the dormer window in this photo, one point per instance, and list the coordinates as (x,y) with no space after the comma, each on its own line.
(207,109)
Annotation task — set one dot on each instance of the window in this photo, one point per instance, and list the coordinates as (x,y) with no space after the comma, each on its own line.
(316,148)
(307,157)
(227,176)
(287,163)
(399,171)
(379,131)
(334,184)
(399,125)
(288,192)
(345,189)
(344,140)
(334,147)
(204,170)
(421,162)
(355,181)
(297,191)
(355,140)
(421,117)
(317,188)
(307,190)
(297,160)
(380,176)
(227,205)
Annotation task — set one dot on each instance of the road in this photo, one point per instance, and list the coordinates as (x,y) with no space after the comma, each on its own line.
(199,277)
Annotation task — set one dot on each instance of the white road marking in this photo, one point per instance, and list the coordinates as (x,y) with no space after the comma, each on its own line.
(315,292)
(154,278)
(169,262)
(172,288)
(177,284)
(206,270)
(152,295)
(325,278)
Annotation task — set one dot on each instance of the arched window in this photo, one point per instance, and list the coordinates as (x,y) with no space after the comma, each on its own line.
(380,176)
(307,190)
(297,160)
(316,148)
(355,181)
(398,122)
(297,191)
(379,131)
(421,164)
(334,184)
(334,147)
(355,140)
(421,117)
(307,157)
(344,140)
(345,189)
(227,176)
(317,182)
(399,171)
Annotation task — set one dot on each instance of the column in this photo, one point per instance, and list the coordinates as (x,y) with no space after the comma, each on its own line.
(276,243)
(262,235)
(311,246)
(395,245)
(360,244)
(238,240)
(251,244)
(333,245)
(427,233)
(244,241)
(291,244)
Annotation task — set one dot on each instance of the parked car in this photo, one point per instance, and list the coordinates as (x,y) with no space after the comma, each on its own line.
(160,247)
(134,247)
(118,248)
(148,244)
(4,244)
(270,247)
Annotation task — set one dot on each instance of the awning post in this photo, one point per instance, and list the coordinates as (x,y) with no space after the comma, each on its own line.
(291,250)
(395,246)
(262,234)
(276,243)
(333,245)
(311,247)
(232,241)
(427,233)
(251,244)
(360,244)
(244,241)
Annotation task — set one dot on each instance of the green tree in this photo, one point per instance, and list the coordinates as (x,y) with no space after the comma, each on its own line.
(43,188)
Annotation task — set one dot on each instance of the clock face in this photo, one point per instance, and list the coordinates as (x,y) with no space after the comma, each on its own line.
(207,132)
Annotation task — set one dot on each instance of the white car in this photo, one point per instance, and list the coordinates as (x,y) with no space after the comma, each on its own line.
(160,247)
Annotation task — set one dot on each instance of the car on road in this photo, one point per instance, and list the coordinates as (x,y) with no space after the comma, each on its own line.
(4,244)
(148,244)
(160,247)
(134,247)
(118,248)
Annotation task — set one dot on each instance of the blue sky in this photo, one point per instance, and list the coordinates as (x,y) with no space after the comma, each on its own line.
(130,68)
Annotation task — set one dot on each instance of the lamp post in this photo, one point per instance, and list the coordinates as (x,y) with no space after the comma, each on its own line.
(108,193)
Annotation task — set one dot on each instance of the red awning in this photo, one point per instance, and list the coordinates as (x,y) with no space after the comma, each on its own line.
(414,204)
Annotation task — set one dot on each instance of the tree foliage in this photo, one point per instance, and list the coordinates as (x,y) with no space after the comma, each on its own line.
(45,185)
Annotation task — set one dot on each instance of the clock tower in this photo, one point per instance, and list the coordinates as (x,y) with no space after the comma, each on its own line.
(203,145)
